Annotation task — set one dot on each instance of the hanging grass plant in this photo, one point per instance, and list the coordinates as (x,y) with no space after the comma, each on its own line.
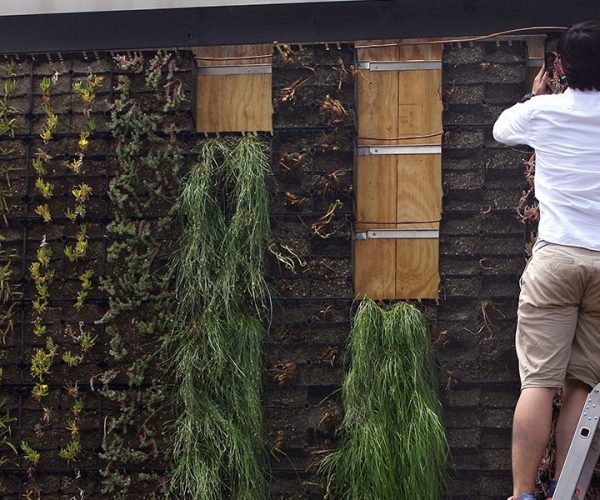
(393,441)
(218,332)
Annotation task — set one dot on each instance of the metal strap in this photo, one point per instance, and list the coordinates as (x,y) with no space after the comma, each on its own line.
(399,65)
(234,70)
(400,150)
(373,234)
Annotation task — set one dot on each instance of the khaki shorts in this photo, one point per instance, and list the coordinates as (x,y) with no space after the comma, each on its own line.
(558,330)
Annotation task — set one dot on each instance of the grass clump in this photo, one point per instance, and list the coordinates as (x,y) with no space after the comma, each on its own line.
(218,333)
(393,441)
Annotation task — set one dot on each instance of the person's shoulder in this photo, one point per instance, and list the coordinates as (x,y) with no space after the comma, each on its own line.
(548,102)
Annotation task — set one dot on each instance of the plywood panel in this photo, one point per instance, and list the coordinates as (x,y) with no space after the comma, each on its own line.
(374,269)
(234,103)
(376,191)
(398,191)
(419,49)
(229,55)
(419,197)
(536,46)
(377,99)
(417,275)
(419,106)
(369,50)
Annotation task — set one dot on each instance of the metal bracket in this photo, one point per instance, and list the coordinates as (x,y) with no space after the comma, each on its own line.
(400,65)
(373,234)
(249,69)
(400,150)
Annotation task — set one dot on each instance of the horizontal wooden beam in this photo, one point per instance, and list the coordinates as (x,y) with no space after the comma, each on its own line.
(314,22)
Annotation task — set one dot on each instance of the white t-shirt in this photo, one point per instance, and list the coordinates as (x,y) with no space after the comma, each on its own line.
(564,130)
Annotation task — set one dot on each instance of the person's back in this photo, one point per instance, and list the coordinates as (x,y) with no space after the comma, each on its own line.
(558,332)
(564,130)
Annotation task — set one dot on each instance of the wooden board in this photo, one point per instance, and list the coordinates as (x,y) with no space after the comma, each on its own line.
(237,102)
(376,192)
(227,55)
(419,106)
(234,103)
(377,97)
(417,95)
(374,269)
(535,56)
(417,274)
(398,191)
(419,197)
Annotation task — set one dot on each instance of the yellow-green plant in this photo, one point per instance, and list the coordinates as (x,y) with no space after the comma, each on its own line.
(75,164)
(78,406)
(44,212)
(31,455)
(42,359)
(72,359)
(78,251)
(46,189)
(51,123)
(8,122)
(86,284)
(71,451)
(39,390)
(39,166)
(86,89)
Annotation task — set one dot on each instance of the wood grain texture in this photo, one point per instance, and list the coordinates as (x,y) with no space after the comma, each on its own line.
(419,106)
(536,46)
(233,103)
(376,191)
(413,49)
(377,101)
(366,50)
(419,197)
(417,273)
(227,55)
(374,269)
(398,191)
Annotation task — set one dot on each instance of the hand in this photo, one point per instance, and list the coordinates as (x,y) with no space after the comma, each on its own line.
(540,82)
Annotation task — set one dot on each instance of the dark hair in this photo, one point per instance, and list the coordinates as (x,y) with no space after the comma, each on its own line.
(579,51)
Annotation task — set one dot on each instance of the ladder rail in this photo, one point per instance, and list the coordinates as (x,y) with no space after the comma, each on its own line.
(583,453)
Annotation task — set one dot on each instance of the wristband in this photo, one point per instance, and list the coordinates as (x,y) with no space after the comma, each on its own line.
(527,96)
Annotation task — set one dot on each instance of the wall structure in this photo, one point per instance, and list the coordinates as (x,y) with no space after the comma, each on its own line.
(310,270)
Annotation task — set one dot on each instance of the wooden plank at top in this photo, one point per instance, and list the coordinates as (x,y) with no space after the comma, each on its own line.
(377,94)
(536,46)
(419,49)
(417,274)
(371,50)
(374,269)
(419,198)
(233,102)
(419,107)
(376,192)
(232,55)
(377,97)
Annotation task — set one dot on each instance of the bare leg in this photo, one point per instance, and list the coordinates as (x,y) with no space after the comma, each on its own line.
(574,396)
(531,431)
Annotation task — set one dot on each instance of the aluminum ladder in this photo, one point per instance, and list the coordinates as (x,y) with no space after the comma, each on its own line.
(583,452)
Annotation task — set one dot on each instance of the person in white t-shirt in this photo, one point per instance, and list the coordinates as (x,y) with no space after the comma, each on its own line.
(558,331)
